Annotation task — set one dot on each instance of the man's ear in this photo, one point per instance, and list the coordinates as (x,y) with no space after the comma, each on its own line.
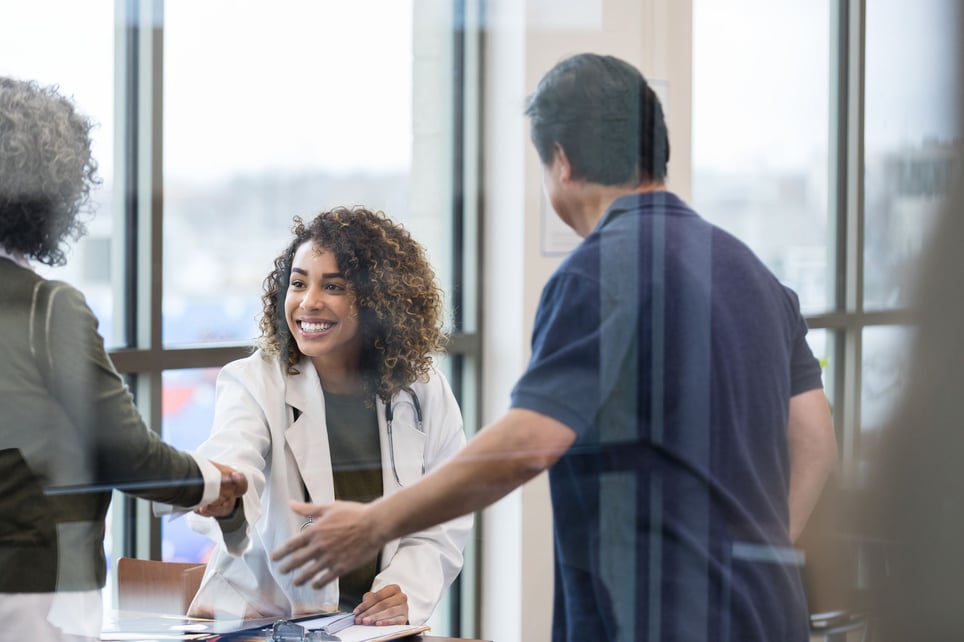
(561,162)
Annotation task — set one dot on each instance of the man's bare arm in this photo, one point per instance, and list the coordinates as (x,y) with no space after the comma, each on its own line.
(813,454)
(500,458)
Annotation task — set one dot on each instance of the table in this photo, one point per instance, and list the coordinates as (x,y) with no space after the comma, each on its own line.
(134,626)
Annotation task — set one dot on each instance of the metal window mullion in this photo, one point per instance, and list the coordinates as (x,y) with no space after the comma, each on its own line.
(124,523)
(153,174)
(843,320)
(466,241)
(147,237)
(837,321)
(853,295)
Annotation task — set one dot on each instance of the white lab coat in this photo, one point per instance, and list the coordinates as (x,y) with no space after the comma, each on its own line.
(256,433)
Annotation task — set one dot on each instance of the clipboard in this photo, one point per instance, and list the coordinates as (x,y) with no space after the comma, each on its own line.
(338,627)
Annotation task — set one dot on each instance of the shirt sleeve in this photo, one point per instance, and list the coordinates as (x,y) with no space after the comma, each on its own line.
(805,371)
(118,448)
(580,334)
(212,479)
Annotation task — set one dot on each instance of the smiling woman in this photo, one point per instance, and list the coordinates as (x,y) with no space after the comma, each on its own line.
(323,318)
(341,401)
(386,278)
(319,113)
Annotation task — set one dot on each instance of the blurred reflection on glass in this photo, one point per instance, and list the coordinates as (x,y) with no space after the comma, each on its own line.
(760,132)
(882,383)
(910,124)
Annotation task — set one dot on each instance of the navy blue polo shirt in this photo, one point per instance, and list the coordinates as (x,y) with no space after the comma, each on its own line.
(672,352)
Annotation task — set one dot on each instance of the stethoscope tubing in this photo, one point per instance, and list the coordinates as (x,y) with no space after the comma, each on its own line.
(389,415)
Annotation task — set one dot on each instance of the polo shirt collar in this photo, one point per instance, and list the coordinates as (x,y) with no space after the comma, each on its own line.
(634,202)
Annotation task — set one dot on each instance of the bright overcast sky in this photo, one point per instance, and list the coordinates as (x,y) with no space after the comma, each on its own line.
(249,85)
(252,85)
(761,78)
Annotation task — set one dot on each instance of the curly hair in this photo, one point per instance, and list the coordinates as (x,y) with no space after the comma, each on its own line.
(390,281)
(46,170)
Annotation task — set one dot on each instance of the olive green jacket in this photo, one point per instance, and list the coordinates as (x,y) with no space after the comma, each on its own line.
(67,421)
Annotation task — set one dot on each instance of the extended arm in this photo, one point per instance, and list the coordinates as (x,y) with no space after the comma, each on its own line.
(813,454)
(499,459)
(115,444)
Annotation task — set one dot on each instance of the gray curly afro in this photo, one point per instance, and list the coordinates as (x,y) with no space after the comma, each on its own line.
(46,170)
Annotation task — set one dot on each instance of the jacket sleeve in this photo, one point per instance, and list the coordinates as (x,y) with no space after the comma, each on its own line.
(427,562)
(117,446)
(240,437)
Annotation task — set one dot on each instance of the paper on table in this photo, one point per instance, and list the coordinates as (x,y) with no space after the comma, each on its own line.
(119,636)
(360,632)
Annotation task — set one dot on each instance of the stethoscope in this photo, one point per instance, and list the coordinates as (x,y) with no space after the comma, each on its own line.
(389,414)
(389,417)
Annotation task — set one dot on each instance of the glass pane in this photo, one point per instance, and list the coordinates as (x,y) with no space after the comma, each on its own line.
(188,413)
(883,371)
(882,384)
(910,125)
(312,117)
(71,45)
(760,132)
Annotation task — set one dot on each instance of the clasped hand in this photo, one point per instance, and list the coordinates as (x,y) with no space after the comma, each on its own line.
(233,486)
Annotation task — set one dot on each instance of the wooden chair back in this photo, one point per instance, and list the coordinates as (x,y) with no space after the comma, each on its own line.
(151,586)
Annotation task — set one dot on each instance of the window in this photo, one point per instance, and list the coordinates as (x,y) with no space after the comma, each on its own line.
(318,114)
(910,121)
(219,122)
(187,407)
(824,141)
(85,74)
(761,130)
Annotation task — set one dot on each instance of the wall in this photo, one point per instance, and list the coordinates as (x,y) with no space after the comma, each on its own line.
(522,40)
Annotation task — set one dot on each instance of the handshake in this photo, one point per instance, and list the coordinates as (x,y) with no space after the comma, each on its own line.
(233,486)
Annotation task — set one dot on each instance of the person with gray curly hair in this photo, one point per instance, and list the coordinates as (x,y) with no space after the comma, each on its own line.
(69,430)
(46,171)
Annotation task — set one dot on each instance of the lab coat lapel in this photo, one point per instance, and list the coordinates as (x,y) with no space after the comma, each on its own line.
(307,436)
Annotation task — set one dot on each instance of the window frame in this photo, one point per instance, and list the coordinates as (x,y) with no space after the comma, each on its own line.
(139,257)
(846,324)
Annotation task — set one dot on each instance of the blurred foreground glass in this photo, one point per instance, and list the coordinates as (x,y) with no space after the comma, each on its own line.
(910,125)
(882,383)
(760,132)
